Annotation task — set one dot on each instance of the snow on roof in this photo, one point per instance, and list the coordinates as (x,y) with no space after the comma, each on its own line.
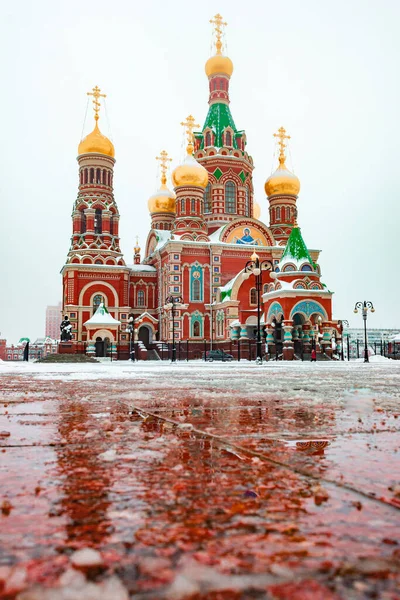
(102,317)
(296,251)
(226,289)
(141,268)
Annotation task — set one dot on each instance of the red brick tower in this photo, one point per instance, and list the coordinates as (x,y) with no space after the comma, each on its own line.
(220,147)
(95,270)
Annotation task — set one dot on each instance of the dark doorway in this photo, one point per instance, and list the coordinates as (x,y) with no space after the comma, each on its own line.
(101,347)
(144,336)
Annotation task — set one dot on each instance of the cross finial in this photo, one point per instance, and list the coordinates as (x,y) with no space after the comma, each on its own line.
(282,137)
(189,124)
(219,23)
(96,104)
(163,158)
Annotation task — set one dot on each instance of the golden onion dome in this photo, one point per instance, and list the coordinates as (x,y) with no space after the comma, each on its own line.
(190,172)
(282,182)
(162,201)
(96,143)
(256,210)
(219,64)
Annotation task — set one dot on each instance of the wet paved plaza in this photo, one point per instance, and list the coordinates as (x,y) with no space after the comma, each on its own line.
(200,481)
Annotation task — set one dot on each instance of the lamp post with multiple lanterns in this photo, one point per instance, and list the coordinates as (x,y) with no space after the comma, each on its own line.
(171,303)
(256,267)
(364,307)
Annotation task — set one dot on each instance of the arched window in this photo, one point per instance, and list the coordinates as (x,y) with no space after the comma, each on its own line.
(228,138)
(196,290)
(288,214)
(97,221)
(278,213)
(97,300)
(196,329)
(140,298)
(98,176)
(208,139)
(193,206)
(104,177)
(83,222)
(207,199)
(91,175)
(86,175)
(230,197)
(265,288)
(183,205)
(253,296)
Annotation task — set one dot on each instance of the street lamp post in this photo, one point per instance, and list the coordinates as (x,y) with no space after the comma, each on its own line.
(364,307)
(342,324)
(131,329)
(256,267)
(170,303)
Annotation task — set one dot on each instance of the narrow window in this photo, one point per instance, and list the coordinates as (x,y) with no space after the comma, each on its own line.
(86,175)
(196,329)
(104,177)
(208,139)
(207,199)
(140,298)
(278,213)
(287,214)
(193,206)
(228,139)
(230,197)
(97,221)
(98,176)
(253,296)
(91,175)
(112,225)
(196,295)
(97,300)
(83,222)
(183,205)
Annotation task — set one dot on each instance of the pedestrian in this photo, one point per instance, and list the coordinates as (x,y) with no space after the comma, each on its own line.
(313,355)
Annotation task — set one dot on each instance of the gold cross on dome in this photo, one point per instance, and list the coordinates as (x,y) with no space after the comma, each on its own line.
(219,23)
(282,137)
(96,104)
(163,159)
(190,125)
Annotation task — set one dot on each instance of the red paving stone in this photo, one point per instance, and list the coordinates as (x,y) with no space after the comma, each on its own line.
(231,482)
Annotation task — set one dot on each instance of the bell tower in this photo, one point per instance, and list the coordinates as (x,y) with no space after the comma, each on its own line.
(95,215)
(221,147)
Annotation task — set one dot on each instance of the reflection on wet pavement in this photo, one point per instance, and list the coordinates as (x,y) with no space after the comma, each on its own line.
(195,484)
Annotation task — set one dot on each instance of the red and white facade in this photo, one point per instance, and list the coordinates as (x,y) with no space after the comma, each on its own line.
(198,252)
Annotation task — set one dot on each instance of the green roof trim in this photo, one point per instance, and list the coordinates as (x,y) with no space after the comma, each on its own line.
(218,118)
(296,248)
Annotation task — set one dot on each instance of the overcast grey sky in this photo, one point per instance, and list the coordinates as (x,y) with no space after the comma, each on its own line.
(327,71)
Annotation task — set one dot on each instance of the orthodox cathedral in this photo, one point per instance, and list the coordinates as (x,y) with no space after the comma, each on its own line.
(209,260)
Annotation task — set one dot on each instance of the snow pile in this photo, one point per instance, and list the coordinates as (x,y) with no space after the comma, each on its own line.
(376,358)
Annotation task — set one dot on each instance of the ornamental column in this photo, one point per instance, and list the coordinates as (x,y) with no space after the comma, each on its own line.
(288,350)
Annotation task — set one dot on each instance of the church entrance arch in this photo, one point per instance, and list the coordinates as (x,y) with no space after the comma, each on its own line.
(101,346)
(145,335)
